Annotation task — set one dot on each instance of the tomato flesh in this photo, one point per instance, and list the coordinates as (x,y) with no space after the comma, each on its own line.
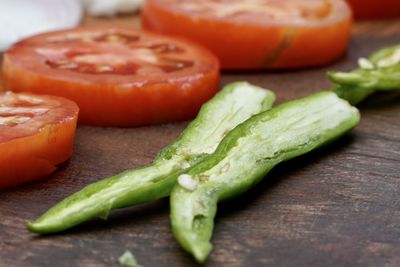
(36,134)
(255,34)
(118,77)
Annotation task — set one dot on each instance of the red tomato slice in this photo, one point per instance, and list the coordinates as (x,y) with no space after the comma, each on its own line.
(374,9)
(36,133)
(248,34)
(118,77)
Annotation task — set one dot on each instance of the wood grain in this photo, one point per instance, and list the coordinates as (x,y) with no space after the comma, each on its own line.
(338,206)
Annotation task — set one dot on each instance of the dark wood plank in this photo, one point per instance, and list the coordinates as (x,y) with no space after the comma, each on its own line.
(337,206)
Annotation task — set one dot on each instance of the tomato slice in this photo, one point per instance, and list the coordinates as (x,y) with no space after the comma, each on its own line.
(373,9)
(250,34)
(36,134)
(118,77)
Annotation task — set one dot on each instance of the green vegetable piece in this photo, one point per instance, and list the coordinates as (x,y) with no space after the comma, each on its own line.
(353,94)
(127,259)
(378,79)
(386,57)
(233,105)
(246,155)
(381,71)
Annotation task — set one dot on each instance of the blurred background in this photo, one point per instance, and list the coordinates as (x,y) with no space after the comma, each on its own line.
(22,18)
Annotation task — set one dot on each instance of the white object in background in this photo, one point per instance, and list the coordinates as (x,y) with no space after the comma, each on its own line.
(23,18)
(111,7)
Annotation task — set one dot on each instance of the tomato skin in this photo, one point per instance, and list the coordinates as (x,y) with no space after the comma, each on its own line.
(35,154)
(373,9)
(120,101)
(328,44)
(252,46)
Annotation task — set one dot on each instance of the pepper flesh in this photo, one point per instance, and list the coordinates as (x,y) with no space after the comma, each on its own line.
(233,105)
(247,154)
(380,73)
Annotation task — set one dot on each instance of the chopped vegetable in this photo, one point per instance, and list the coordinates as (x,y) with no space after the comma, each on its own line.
(380,72)
(128,259)
(36,134)
(257,34)
(118,77)
(247,154)
(233,105)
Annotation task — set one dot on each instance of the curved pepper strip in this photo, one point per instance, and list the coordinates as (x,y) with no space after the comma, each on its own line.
(380,72)
(233,105)
(246,155)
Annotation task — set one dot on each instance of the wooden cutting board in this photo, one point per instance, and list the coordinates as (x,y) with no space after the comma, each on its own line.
(338,206)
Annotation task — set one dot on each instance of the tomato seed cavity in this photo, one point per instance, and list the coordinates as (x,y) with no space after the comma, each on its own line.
(12,121)
(137,55)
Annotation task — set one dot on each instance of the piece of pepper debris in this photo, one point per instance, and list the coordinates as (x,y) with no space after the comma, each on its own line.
(127,259)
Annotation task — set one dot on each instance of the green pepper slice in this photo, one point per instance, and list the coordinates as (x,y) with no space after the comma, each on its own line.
(246,155)
(233,105)
(380,72)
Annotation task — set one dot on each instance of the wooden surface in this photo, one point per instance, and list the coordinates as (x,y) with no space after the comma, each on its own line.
(338,206)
